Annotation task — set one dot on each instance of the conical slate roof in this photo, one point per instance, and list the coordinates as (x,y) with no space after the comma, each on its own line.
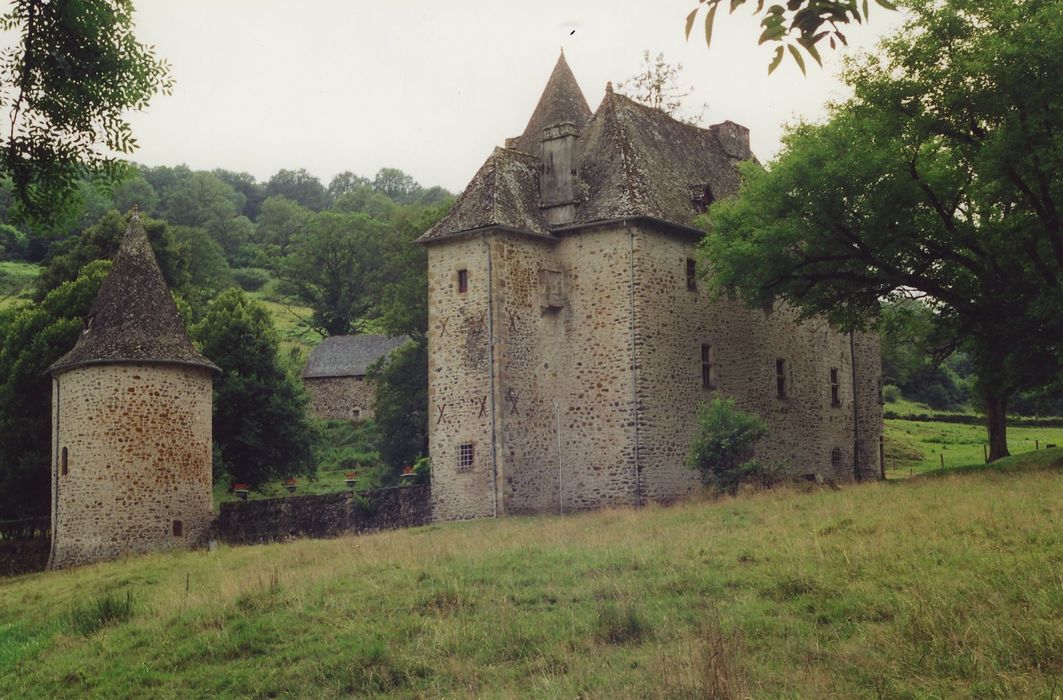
(134,318)
(561,101)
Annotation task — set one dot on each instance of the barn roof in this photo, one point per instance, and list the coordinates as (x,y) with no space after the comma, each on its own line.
(349,355)
(632,161)
(134,318)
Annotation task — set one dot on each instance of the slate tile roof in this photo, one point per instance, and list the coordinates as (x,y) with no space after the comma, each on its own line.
(632,160)
(134,318)
(349,355)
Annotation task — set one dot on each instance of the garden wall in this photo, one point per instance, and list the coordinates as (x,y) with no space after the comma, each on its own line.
(327,515)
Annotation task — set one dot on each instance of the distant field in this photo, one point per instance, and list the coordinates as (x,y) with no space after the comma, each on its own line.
(933,587)
(915,447)
(16,282)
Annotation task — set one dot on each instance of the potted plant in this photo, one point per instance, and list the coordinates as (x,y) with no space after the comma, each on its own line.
(407,473)
(352,479)
(241,491)
(290,483)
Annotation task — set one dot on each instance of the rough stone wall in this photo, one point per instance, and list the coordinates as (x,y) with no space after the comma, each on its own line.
(327,515)
(460,404)
(138,442)
(341,398)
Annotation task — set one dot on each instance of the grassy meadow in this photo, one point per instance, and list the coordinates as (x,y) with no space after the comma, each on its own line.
(16,282)
(931,587)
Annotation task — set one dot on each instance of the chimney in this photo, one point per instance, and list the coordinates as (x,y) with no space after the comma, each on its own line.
(734,138)
(558,184)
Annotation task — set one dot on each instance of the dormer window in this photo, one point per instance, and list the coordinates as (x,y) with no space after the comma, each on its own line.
(701,198)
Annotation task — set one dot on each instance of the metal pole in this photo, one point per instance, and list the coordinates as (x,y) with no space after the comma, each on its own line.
(491,375)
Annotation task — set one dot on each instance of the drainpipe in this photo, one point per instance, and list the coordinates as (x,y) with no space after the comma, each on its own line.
(634,370)
(491,375)
(56,451)
(856,414)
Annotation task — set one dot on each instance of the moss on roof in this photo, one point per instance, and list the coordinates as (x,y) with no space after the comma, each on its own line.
(561,101)
(134,318)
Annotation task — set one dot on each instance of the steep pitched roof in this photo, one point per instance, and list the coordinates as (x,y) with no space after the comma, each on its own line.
(561,101)
(349,355)
(504,193)
(638,161)
(134,318)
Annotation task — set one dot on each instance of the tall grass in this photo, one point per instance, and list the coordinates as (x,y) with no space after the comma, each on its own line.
(944,587)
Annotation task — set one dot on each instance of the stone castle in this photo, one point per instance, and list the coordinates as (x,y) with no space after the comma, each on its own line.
(131,422)
(571,341)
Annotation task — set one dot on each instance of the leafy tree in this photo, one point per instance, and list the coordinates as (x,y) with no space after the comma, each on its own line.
(797,25)
(31,339)
(333,269)
(345,183)
(261,430)
(401,408)
(366,201)
(657,85)
(940,178)
(202,200)
(279,219)
(245,184)
(100,242)
(135,190)
(76,70)
(396,185)
(298,186)
(12,243)
(722,450)
(402,298)
(207,270)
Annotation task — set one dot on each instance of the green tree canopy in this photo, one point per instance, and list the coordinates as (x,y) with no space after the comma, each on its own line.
(298,186)
(261,430)
(940,178)
(76,70)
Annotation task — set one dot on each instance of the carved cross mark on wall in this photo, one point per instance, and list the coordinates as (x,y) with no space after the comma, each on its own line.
(443,326)
(512,319)
(511,396)
(483,406)
(442,418)
(480,321)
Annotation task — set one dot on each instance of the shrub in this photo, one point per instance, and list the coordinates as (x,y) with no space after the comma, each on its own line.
(102,611)
(251,279)
(723,446)
(619,626)
(891,393)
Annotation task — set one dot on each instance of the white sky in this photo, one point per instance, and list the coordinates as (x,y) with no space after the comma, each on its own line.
(431,87)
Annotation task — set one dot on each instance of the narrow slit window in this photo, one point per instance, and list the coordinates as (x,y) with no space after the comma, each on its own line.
(708,374)
(692,275)
(178,528)
(835,397)
(463,281)
(836,457)
(465,456)
(65,466)
(780,377)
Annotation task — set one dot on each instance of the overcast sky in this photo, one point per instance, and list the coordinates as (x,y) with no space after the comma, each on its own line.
(432,87)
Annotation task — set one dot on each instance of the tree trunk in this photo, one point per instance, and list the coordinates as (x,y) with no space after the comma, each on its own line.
(996,422)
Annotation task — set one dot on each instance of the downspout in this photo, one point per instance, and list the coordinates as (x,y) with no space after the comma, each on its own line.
(634,363)
(56,451)
(491,375)
(856,414)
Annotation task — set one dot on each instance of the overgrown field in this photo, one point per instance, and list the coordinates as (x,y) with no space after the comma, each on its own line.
(932,587)
(16,282)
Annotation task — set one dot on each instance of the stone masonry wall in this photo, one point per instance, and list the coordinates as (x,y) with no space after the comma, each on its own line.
(138,444)
(341,398)
(327,515)
(460,403)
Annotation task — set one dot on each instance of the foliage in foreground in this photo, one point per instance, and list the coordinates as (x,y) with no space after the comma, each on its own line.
(722,450)
(943,587)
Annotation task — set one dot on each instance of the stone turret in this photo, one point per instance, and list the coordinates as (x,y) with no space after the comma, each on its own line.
(131,422)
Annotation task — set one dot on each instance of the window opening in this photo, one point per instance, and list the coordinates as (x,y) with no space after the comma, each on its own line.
(463,280)
(178,528)
(701,198)
(836,457)
(465,456)
(780,377)
(835,398)
(692,275)
(63,461)
(708,374)
(356,413)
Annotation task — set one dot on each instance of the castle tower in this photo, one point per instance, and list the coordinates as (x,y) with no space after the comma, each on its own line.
(131,422)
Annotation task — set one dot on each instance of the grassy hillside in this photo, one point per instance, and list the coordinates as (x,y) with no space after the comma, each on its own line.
(933,587)
(16,282)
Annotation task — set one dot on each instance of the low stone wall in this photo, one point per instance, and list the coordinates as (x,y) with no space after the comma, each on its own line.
(328,515)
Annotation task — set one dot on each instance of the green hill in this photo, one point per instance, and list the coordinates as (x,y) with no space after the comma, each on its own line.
(932,587)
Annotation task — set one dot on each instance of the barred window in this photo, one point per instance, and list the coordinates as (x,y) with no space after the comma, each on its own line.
(836,457)
(465,456)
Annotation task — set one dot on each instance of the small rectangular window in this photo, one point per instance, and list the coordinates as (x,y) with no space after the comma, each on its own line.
(708,374)
(178,528)
(65,464)
(835,398)
(465,456)
(692,275)
(780,377)
(463,281)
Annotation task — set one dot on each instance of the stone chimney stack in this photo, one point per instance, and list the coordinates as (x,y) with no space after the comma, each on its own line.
(558,185)
(734,138)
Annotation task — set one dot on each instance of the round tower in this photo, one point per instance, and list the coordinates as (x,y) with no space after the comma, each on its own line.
(131,422)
